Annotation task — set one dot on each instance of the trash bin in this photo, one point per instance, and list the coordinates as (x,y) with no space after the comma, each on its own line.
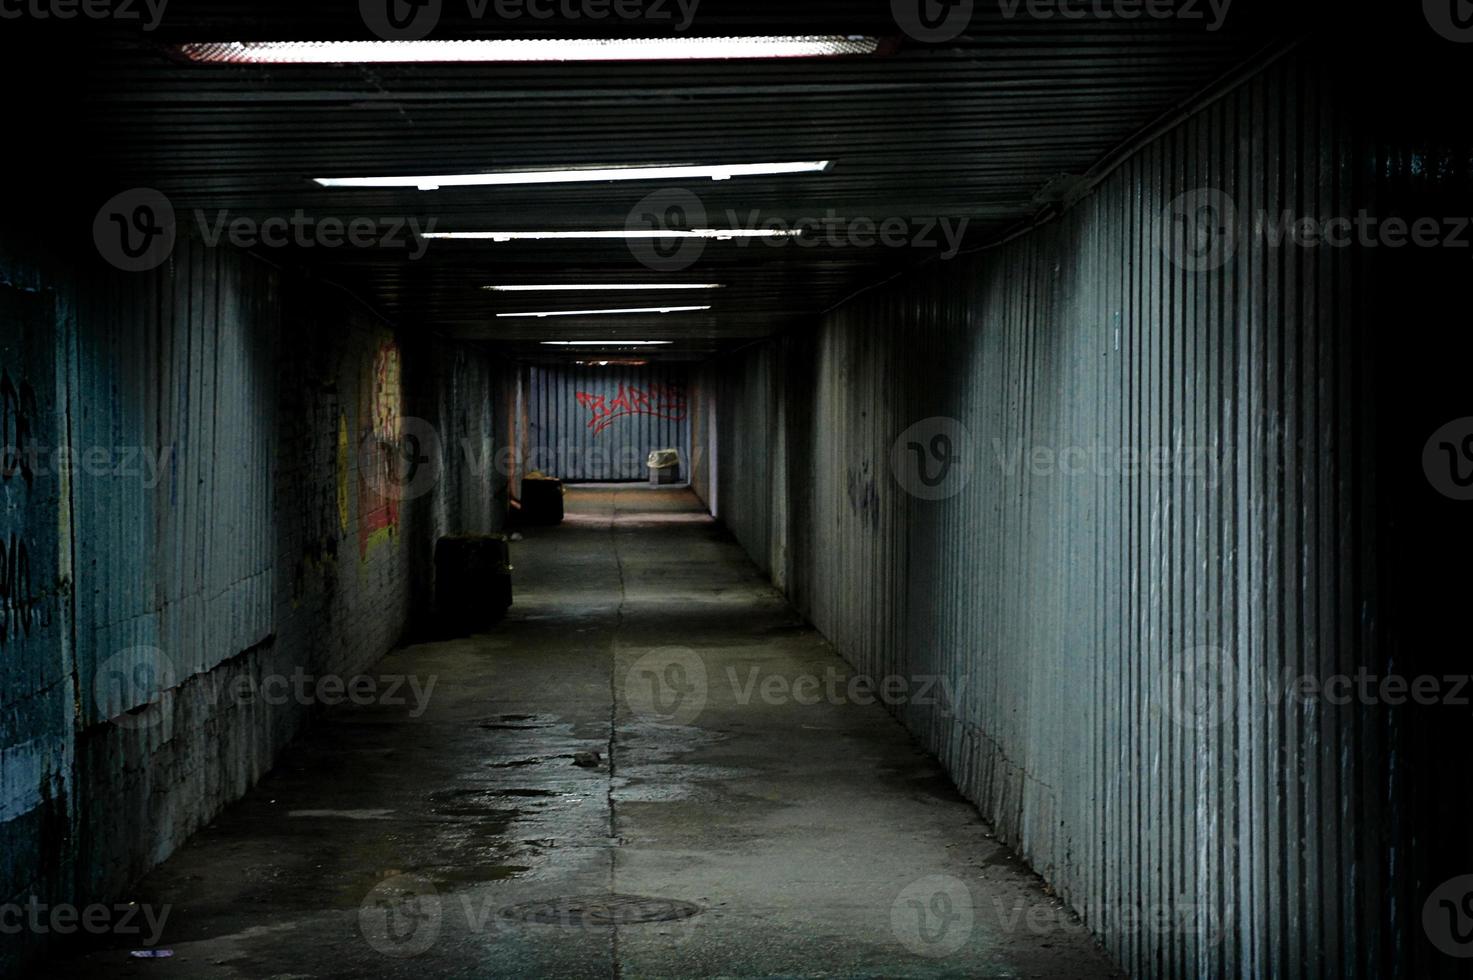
(472,582)
(664,467)
(542,499)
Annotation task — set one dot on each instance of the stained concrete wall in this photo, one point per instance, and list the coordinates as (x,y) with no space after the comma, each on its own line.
(226,518)
(1174,482)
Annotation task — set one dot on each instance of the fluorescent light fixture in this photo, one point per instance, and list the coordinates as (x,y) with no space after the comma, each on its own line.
(605,343)
(602,287)
(528,49)
(634,309)
(720,234)
(575,175)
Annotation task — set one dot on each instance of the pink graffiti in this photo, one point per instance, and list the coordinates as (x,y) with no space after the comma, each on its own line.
(660,401)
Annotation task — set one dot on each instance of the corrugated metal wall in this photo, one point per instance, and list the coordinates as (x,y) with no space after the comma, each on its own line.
(1123,627)
(37,719)
(196,509)
(601,423)
(172,374)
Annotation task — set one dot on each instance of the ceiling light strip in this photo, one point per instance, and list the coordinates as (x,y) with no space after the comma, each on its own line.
(602,287)
(579,175)
(495,50)
(635,309)
(721,234)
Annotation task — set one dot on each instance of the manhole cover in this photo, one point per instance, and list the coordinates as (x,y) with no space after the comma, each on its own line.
(600,910)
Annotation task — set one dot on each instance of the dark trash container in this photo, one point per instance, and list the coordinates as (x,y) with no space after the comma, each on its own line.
(542,500)
(472,582)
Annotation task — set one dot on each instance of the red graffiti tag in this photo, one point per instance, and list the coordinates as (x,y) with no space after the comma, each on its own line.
(661,401)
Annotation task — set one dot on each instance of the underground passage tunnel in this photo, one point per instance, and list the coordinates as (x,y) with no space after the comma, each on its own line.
(639,488)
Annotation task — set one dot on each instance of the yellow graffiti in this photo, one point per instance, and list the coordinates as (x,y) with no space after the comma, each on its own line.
(344,462)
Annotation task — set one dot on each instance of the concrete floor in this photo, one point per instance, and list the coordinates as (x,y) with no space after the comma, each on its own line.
(816,839)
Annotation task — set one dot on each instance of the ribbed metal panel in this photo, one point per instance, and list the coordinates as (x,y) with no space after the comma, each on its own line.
(601,423)
(38,794)
(1067,605)
(179,559)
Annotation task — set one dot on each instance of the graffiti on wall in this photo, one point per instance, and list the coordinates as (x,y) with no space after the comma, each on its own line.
(380,451)
(658,400)
(344,461)
(17,415)
(21,603)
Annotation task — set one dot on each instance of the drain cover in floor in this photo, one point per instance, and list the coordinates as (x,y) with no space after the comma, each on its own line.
(600,910)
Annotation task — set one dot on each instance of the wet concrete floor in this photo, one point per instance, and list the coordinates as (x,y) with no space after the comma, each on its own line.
(611,738)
